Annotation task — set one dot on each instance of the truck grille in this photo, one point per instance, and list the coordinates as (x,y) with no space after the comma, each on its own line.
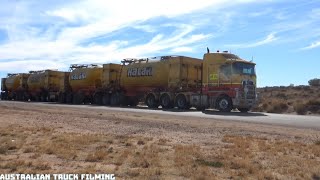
(249,90)
(251,94)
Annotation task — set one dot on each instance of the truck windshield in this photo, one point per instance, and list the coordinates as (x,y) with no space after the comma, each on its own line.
(243,68)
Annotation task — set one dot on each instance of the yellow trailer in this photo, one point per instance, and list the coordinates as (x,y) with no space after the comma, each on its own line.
(44,85)
(157,81)
(84,80)
(16,86)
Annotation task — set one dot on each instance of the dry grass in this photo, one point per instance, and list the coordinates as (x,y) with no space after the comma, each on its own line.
(301,109)
(239,157)
(277,106)
(276,159)
(300,99)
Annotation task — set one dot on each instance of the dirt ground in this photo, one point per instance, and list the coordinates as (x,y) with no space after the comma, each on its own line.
(50,139)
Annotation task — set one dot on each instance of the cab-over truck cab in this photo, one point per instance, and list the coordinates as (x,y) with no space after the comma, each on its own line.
(228,82)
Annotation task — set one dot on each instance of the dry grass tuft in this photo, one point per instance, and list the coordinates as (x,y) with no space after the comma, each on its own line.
(140,142)
(41,166)
(67,146)
(216,164)
(98,155)
(301,109)
(277,106)
(257,157)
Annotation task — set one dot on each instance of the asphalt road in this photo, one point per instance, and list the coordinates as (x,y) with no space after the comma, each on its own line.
(302,121)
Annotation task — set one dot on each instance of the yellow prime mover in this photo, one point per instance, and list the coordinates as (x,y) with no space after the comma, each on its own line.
(44,85)
(228,82)
(83,80)
(14,87)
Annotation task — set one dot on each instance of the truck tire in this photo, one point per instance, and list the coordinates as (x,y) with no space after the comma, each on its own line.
(115,99)
(26,96)
(151,101)
(78,98)
(97,99)
(61,98)
(224,104)
(181,102)
(244,110)
(37,98)
(6,96)
(69,98)
(166,102)
(44,98)
(19,96)
(106,99)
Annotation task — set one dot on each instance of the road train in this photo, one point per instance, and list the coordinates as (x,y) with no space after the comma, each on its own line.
(220,80)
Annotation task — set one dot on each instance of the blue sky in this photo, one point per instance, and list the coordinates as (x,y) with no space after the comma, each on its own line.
(282,37)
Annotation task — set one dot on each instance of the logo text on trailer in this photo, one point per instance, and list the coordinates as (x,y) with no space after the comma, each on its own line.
(78,76)
(135,72)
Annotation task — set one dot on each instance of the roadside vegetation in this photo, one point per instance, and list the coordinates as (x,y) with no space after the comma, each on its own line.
(292,99)
(49,150)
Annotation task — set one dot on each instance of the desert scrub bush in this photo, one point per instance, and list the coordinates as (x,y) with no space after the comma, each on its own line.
(216,164)
(277,107)
(98,155)
(3,150)
(313,106)
(281,95)
(260,107)
(300,108)
(314,102)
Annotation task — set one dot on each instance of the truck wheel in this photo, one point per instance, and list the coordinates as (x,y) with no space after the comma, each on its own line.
(166,102)
(244,110)
(181,102)
(106,99)
(224,104)
(61,98)
(151,101)
(44,98)
(97,99)
(18,97)
(6,96)
(37,98)
(26,97)
(69,98)
(78,98)
(115,99)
